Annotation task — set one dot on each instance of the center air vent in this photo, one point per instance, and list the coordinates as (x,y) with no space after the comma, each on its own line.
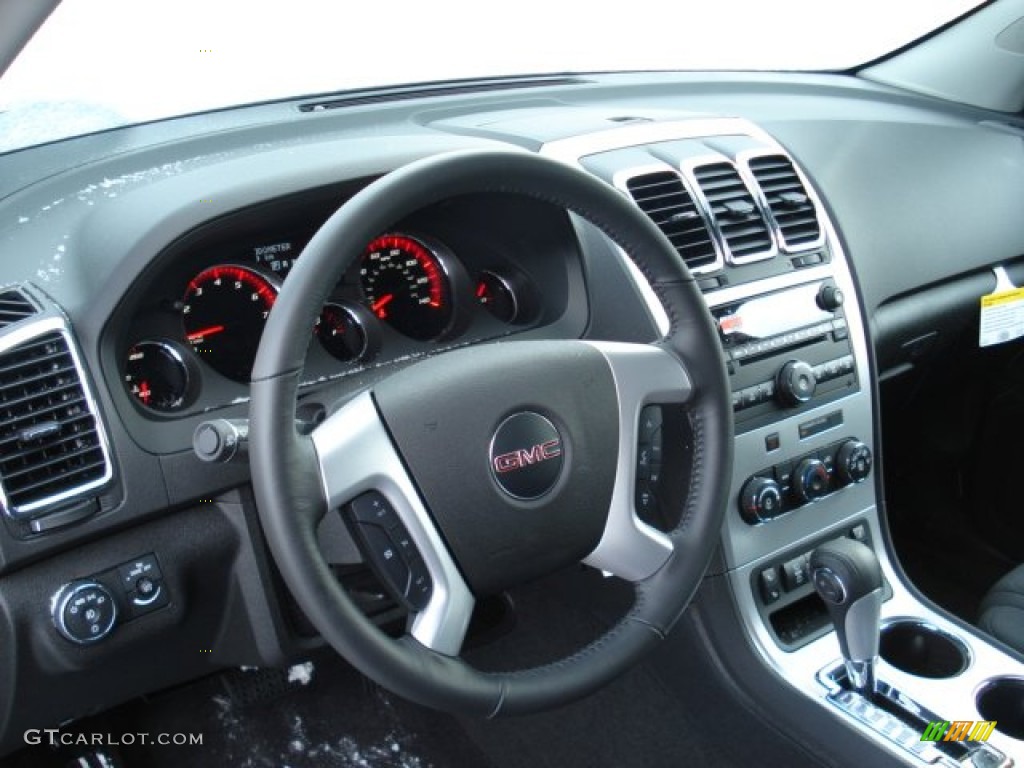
(662,196)
(50,444)
(788,200)
(14,306)
(738,218)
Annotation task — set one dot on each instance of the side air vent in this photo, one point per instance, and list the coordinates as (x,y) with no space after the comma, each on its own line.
(14,306)
(788,200)
(662,196)
(50,443)
(738,218)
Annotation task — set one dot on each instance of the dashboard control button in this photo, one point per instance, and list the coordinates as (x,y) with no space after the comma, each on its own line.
(768,583)
(795,573)
(830,297)
(221,440)
(760,500)
(810,480)
(146,566)
(796,383)
(853,461)
(84,612)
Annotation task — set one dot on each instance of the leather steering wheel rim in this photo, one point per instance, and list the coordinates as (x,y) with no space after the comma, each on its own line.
(289,488)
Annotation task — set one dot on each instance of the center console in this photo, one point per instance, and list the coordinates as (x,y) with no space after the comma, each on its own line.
(755,234)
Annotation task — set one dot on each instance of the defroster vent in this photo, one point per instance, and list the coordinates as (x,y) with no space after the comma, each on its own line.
(735,212)
(663,197)
(788,200)
(51,448)
(14,306)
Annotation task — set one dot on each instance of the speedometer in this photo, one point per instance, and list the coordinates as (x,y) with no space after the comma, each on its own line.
(225,309)
(406,282)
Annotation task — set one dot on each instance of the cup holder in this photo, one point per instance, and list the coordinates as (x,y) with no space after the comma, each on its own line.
(921,649)
(1002,700)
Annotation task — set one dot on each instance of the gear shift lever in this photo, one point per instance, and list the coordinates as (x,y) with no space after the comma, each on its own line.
(847,576)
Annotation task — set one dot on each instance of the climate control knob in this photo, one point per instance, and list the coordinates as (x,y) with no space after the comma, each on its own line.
(84,612)
(760,500)
(796,383)
(853,461)
(810,480)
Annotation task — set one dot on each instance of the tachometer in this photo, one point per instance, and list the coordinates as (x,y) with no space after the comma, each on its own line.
(407,283)
(225,309)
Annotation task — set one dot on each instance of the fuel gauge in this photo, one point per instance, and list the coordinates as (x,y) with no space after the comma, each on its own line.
(157,376)
(506,296)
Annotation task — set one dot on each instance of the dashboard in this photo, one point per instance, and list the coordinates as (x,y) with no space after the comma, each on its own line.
(466,271)
(810,209)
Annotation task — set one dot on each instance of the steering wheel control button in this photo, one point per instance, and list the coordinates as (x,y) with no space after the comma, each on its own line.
(420,586)
(796,383)
(84,612)
(390,550)
(526,455)
(760,500)
(388,559)
(374,508)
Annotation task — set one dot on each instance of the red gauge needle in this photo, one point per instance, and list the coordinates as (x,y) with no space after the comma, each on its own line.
(379,304)
(204,332)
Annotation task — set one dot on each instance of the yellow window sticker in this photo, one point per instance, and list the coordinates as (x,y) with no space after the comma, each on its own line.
(1002,313)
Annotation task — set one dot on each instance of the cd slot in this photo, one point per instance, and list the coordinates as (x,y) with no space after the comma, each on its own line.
(778,349)
(754,351)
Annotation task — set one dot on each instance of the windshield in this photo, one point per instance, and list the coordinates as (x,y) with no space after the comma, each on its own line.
(98,64)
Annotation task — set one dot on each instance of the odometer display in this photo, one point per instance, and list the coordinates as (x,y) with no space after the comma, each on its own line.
(406,285)
(225,309)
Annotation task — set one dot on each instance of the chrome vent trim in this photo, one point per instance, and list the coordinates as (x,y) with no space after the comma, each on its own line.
(788,200)
(15,306)
(662,194)
(53,446)
(740,221)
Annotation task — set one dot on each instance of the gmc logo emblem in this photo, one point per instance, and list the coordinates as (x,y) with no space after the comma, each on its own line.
(524,457)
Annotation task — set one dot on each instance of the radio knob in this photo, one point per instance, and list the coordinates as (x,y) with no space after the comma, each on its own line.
(830,297)
(796,383)
(853,461)
(810,480)
(760,500)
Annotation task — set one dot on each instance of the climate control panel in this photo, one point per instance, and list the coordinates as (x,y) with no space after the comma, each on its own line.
(789,485)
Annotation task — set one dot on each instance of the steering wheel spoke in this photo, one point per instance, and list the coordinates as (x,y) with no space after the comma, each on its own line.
(644,375)
(356,457)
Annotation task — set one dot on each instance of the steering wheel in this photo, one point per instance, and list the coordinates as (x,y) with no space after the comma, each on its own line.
(491,465)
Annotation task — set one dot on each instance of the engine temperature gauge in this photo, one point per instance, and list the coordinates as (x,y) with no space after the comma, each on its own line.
(348,331)
(157,376)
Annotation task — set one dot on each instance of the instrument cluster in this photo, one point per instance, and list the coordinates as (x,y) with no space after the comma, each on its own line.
(407,293)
